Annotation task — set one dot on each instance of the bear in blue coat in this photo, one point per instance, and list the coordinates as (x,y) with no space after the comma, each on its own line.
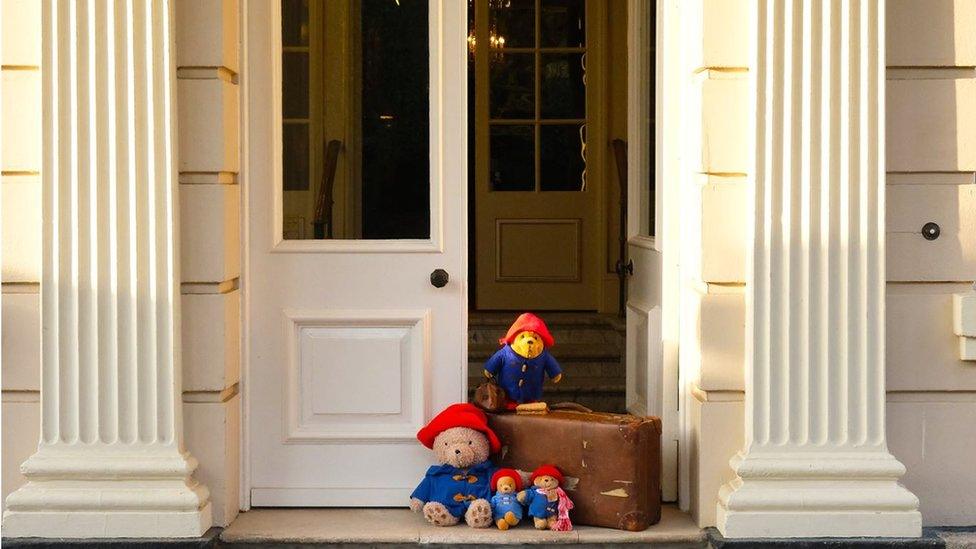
(521,365)
(460,485)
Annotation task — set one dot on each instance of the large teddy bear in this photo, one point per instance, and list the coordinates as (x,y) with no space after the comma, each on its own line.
(460,485)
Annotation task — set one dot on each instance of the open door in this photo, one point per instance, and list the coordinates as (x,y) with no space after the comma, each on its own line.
(352,342)
(652,376)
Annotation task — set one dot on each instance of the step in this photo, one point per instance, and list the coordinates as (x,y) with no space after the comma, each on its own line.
(613,369)
(568,327)
(552,319)
(370,527)
(565,353)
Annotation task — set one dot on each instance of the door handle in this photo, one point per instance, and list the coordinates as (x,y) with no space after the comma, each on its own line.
(624,269)
(439,278)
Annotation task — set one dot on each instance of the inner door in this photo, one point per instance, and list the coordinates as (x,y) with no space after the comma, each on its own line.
(538,80)
(350,345)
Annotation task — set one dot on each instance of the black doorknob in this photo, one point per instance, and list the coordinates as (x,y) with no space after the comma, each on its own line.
(931,231)
(439,278)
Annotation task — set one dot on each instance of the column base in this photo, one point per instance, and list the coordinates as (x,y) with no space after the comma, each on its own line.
(817,495)
(103,496)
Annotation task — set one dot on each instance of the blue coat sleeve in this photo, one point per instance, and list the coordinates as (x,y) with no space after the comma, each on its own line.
(422,491)
(495,363)
(552,367)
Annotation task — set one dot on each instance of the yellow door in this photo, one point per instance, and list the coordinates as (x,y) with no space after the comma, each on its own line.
(538,82)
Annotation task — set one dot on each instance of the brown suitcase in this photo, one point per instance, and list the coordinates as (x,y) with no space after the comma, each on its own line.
(612,462)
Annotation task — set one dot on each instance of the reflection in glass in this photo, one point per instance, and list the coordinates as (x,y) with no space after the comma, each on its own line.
(512,23)
(512,82)
(562,158)
(294,158)
(294,85)
(395,119)
(562,24)
(294,22)
(563,89)
(355,99)
(512,158)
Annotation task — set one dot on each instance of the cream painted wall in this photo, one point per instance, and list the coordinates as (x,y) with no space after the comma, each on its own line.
(207,59)
(931,151)
(932,165)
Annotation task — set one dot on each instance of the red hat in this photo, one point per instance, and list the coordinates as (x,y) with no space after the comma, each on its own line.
(506,473)
(547,471)
(458,415)
(528,322)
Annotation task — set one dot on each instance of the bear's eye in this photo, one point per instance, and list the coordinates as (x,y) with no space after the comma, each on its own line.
(469,443)
(445,444)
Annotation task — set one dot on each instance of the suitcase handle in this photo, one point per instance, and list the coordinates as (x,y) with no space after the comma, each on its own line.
(570,406)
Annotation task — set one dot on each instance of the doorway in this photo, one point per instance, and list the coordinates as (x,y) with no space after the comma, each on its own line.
(354,334)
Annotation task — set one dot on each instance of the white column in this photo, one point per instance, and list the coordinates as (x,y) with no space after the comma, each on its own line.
(110,461)
(815,462)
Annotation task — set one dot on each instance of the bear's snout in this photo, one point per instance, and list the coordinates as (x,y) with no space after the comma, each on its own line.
(457,451)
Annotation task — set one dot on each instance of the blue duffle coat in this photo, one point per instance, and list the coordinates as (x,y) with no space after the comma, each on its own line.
(539,505)
(521,377)
(454,487)
(503,503)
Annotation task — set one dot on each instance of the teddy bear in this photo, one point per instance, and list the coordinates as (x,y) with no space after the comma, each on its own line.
(547,502)
(522,363)
(460,485)
(506,509)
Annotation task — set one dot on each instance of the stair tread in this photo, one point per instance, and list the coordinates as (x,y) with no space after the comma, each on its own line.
(565,352)
(572,384)
(552,319)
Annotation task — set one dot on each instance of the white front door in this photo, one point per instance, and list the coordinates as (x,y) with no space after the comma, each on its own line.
(350,347)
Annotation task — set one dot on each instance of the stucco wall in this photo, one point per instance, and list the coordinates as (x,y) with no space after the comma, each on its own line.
(931,163)
(207,95)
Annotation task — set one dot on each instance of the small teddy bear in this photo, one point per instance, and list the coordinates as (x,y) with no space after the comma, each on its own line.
(522,363)
(548,503)
(505,507)
(459,486)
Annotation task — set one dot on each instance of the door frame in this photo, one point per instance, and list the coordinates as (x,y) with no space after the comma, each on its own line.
(671,87)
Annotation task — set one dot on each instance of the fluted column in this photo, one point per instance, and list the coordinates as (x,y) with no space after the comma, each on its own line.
(815,462)
(110,461)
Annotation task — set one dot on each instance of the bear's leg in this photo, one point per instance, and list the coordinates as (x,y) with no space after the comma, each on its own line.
(540,523)
(502,525)
(551,521)
(478,514)
(438,515)
(511,519)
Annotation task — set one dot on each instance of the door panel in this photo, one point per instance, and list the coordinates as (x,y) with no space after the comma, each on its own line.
(350,349)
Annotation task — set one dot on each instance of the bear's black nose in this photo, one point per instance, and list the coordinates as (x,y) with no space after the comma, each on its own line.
(458,452)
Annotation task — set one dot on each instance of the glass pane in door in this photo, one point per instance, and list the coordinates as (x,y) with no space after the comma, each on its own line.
(562,157)
(563,24)
(512,160)
(356,110)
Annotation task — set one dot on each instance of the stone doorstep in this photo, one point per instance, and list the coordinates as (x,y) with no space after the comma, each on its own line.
(401,527)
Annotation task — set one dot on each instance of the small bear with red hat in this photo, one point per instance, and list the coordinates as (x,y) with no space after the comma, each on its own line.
(522,363)
(460,485)
(548,503)
(505,507)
